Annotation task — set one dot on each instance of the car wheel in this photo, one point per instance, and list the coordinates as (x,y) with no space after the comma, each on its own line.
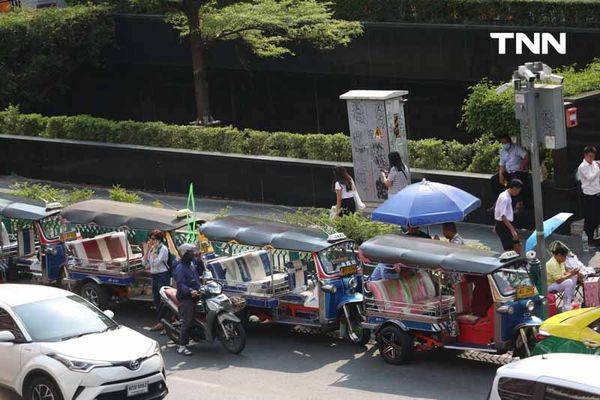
(95,294)
(395,345)
(42,388)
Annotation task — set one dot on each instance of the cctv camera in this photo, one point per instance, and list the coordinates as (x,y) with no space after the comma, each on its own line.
(503,88)
(526,73)
(556,79)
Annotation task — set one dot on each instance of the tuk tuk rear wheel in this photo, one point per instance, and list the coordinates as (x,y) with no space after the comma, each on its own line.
(95,294)
(395,345)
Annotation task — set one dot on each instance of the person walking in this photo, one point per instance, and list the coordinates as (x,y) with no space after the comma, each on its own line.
(589,175)
(514,163)
(157,257)
(188,272)
(344,188)
(504,216)
(398,176)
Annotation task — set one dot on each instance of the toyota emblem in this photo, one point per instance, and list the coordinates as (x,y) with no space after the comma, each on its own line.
(133,365)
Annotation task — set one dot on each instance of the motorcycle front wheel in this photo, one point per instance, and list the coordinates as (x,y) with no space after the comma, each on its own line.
(168,318)
(235,340)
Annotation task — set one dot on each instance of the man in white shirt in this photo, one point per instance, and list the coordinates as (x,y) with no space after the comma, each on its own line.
(589,175)
(450,233)
(514,164)
(504,216)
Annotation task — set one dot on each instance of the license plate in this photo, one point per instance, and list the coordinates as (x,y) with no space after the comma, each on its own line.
(525,291)
(137,388)
(66,236)
(349,270)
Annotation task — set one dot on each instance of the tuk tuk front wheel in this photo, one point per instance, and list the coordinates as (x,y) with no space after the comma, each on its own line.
(95,294)
(354,329)
(395,345)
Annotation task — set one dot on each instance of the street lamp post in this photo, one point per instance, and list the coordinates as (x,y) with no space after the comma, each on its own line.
(540,110)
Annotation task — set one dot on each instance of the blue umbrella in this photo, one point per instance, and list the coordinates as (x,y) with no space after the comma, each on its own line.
(426,203)
(550,226)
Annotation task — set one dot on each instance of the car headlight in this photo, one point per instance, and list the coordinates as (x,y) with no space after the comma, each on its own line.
(79,365)
(529,305)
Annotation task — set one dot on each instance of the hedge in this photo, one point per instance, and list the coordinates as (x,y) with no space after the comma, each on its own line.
(580,13)
(41,49)
(480,156)
(485,111)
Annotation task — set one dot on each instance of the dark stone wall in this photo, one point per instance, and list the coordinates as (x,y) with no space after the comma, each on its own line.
(148,76)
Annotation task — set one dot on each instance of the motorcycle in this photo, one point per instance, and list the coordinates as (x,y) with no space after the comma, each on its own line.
(214,317)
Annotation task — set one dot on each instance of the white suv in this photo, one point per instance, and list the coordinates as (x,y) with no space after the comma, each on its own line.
(556,376)
(54,345)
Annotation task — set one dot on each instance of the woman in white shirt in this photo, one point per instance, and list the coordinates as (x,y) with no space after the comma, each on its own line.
(343,185)
(399,176)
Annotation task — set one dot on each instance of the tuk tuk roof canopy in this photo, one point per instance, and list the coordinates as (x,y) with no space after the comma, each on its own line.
(115,214)
(261,232)
(21,208)
(431,254)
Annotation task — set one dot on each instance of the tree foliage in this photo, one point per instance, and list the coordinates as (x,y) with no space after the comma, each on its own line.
(40,50)
(485,111)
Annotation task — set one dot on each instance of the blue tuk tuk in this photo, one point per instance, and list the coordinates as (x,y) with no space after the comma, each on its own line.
(449,296)
(288,274)
(30,245)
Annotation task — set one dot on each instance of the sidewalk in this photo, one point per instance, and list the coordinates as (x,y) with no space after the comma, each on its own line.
(469,231)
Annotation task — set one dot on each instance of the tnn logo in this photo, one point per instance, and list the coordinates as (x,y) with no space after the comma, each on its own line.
(539,44)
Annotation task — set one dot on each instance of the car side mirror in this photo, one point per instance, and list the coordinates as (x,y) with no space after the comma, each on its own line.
(109,314)
(6,336)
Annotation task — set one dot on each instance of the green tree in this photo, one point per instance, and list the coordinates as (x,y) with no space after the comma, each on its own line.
(268,27)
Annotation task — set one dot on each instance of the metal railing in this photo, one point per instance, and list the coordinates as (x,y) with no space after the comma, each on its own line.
(434,310)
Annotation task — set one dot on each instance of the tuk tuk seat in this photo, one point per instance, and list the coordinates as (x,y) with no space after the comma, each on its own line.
(249,272)
(109,250)
(411,293)
(5,242)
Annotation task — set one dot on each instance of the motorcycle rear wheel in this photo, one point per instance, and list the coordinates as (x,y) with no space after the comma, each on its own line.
(237,336)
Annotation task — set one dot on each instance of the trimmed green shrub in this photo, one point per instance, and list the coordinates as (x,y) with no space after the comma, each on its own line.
(117,193)
(480,156)
(41,49)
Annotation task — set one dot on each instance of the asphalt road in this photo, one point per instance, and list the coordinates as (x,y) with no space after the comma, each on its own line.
(279,363)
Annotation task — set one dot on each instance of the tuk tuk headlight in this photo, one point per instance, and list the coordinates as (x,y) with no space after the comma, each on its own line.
(529,305)
(352,283)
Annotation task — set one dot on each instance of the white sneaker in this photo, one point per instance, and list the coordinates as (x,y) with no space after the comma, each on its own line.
(184,351)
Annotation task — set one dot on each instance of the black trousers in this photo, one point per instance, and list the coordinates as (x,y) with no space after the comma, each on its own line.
(505,236)
(591,214)
(186,309)
(348,206)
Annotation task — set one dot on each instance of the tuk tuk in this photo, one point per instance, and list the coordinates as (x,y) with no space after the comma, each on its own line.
(105,247)
(289,274)
(30,249)
(449,296)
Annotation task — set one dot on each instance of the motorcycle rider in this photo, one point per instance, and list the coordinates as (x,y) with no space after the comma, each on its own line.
(188,272)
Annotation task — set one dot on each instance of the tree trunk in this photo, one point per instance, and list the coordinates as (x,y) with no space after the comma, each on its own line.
(192,10)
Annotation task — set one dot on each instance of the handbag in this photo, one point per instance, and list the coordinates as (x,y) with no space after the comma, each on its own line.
(332,212)
(357,201)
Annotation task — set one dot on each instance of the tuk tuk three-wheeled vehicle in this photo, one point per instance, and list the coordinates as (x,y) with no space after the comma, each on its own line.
(288,274)
(86,247)
(449,296)
(104,266)
(30,247)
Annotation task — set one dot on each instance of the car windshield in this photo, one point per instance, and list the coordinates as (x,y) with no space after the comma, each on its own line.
(62,318)
(508,279)
(338,256)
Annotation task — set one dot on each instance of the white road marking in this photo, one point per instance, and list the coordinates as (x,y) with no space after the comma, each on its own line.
(192,381)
